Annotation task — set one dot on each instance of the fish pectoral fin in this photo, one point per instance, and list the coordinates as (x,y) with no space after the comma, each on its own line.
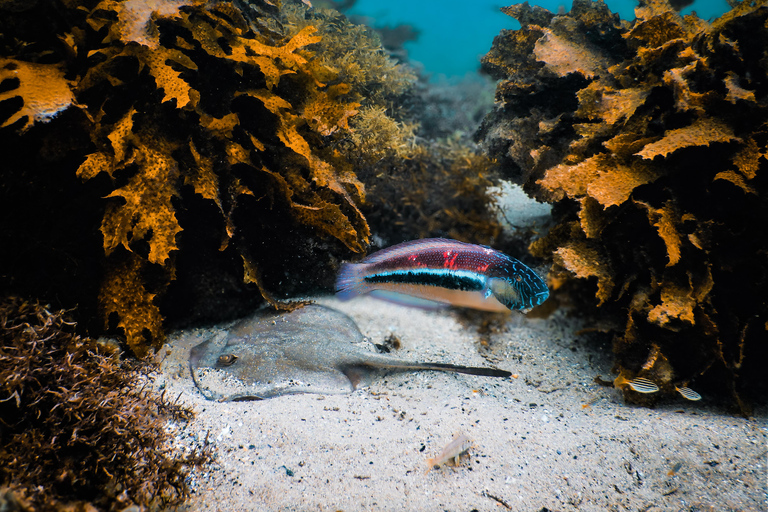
(407,300)
(359,376)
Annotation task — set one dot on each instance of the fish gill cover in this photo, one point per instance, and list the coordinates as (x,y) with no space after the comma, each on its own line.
(650,139)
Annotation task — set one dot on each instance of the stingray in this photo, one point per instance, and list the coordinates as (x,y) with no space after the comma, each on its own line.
(314,349)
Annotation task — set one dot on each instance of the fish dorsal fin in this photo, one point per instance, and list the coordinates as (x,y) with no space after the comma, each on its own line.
(407,248)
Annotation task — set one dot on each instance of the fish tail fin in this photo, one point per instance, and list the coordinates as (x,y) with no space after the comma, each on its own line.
(349,282)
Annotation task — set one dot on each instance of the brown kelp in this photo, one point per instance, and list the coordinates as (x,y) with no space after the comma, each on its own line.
(185,150)
(434,189)
(650,139)
(76,430)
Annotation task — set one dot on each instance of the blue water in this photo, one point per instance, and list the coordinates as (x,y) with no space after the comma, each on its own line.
(454,34)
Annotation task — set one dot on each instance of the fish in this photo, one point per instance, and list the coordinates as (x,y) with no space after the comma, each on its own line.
(640,384)
(437,271)
(688,393)
(451,452)
(677,467)
(314,349)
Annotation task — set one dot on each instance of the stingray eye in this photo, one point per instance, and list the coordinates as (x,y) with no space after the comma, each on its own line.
(226,359)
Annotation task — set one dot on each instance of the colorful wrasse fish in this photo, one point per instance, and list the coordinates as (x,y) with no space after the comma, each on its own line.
(438,270)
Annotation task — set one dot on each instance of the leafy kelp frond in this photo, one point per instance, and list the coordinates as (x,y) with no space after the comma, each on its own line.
(354,52)
(286,132)
(199,117)
(651,139)
(43,89)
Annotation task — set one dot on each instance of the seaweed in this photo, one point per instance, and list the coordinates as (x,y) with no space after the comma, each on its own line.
(210,140)
(77,428)
(436,189)
(650,139)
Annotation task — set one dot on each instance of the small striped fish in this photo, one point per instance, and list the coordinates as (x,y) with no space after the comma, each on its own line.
(438,270)
(688,394)
(640,384)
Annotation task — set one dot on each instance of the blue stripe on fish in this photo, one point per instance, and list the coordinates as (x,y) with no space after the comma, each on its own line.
(445,271)
(445,278)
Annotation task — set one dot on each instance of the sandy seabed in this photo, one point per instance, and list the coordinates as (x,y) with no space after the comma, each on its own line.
(550,439)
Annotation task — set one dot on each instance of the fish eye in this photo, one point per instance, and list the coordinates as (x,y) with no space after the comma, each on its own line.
(226,360)
(518,278)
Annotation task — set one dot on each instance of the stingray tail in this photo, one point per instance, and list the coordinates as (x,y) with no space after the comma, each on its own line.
(469,370)
(440,367)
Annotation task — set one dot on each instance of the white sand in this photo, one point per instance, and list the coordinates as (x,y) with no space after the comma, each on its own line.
(535,445)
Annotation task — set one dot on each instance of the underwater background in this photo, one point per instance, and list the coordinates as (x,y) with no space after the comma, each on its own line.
(452,35)
(170,166)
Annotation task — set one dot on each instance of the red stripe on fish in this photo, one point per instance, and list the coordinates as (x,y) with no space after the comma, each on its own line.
(446,271)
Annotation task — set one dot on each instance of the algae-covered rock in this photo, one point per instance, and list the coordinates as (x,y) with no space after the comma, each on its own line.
(650,139)
(205,146)
(177,162)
